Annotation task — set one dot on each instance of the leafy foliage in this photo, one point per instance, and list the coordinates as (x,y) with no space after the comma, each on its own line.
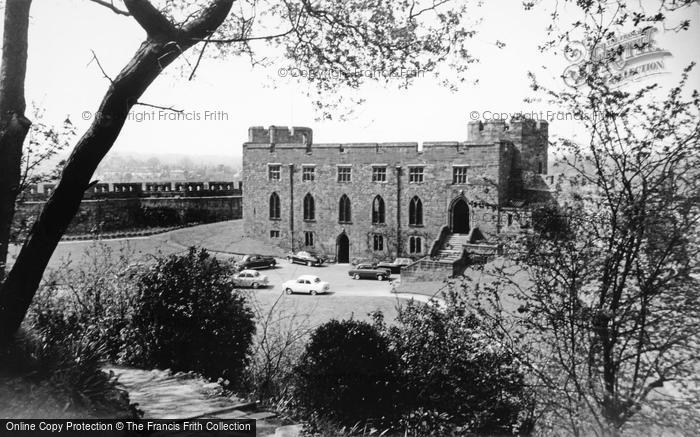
(347,374)
(452,372)
(186,316)
(58,372)
(609,308)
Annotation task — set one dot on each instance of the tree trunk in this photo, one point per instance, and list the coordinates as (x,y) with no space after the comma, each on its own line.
(14,126)
(164,44)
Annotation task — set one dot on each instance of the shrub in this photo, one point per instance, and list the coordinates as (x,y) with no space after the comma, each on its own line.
(93,301)
(277,345)
(452,370)
(346,374)
(58,374)
(186,317)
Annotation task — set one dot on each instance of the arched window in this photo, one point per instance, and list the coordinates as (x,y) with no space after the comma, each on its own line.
(274,206)
(415,212)
(378,210)
(344,215)
(309,207)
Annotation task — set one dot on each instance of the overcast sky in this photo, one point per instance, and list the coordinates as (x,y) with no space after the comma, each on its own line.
(62,80)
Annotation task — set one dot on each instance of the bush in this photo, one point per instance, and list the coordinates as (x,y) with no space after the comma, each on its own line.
(93,301)
(186,317)
(451,370)
(58,374)
(346,374)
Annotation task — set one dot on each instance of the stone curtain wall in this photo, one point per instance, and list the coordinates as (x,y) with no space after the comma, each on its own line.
(115,207)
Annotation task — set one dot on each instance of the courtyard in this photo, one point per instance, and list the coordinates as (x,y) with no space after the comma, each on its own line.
(348,298)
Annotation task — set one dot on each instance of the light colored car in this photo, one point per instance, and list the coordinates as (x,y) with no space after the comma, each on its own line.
(250,278)
(308,284)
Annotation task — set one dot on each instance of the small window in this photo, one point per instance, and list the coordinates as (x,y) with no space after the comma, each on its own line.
(274,234)
(539,167)
(344,174)
(510,219)
(308,174)
(274,172)
(308,238)
(378,243)
(415,245)
(459,175)
(415,175)
(379,174)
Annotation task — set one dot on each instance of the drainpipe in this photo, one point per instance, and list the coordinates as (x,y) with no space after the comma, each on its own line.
(399,242)
(291,204)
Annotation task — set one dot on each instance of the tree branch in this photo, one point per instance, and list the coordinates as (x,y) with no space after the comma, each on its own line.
(150,18)
(110,5)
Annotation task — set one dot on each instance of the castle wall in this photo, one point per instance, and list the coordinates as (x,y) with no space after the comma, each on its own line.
(104,209)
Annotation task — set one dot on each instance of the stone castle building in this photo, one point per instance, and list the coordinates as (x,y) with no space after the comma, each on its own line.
(382,200)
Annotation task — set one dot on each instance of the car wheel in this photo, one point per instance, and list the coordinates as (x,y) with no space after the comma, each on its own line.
(380,277)
(255,285)
(308,263)
(288,291)
(355,276)
(313,292)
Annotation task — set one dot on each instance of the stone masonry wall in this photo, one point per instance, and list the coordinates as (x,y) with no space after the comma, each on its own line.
(111,215)
(489,169)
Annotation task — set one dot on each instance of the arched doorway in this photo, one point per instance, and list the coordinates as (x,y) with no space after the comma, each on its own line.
(342,249)
(459,216)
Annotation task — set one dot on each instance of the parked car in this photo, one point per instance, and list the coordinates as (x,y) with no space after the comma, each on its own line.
(309,284)
(257,262)
(396,265)
(250,278)
(304,257)
(369,271)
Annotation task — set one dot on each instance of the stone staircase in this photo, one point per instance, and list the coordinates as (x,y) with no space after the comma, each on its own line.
(452,247)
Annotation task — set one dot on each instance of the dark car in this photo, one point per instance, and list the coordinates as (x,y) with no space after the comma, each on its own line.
(396,265)
(308,258)
(257,262)
(369,271)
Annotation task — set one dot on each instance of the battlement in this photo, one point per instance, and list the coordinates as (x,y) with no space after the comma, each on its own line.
(118,190)
(280,134)
(492,130)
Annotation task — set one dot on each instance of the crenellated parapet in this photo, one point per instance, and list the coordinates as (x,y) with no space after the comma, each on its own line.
(121,190)
(280,134)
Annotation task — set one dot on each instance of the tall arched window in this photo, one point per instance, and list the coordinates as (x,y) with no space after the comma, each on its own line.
(344,215)
(415,212)
(378,210)
(309,207)
(274,206)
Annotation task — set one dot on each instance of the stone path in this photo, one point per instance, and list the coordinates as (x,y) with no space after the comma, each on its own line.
(161,394)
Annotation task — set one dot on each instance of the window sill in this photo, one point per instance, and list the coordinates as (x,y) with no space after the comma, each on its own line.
(344,223)
(309,220)
(275,219)
(416,226)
